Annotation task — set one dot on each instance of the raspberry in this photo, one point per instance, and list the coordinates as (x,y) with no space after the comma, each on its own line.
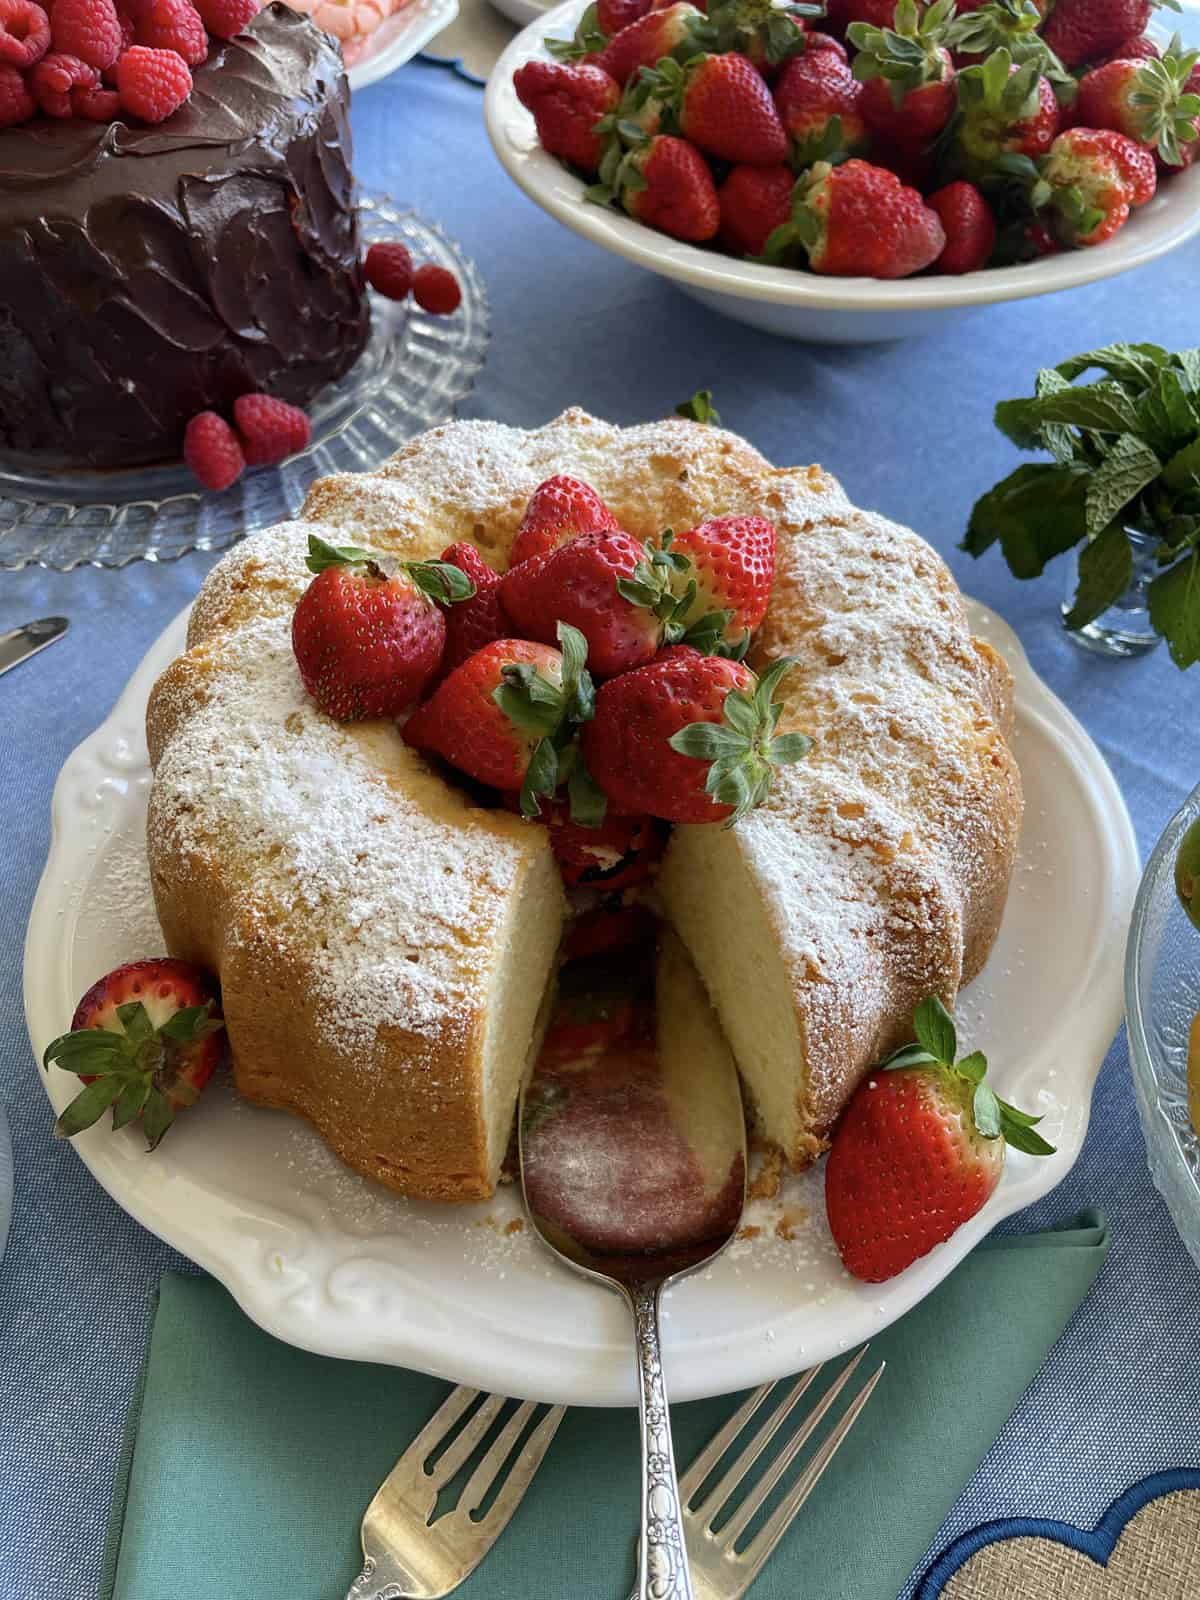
(174,25)
(269,429)
(436,289)
(88,30)
(24,33)
(226,18)
(51,82)
(96,104)
(152,83)
(16,102)
(389,269)
(212,451)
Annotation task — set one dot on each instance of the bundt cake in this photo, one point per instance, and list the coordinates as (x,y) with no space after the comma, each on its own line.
(385,941)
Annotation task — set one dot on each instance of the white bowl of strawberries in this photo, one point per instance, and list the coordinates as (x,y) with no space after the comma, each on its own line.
(863,175)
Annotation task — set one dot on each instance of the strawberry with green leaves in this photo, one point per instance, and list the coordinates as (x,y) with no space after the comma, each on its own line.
(508,718)
(909,93)
(754,202)
(732,569)
(644,43)
(1090,183)
(819,103)
(559,509)
(858,220)
(470,624)
(1149,101)
(840,14)
(664,182)
(768,33)
(567,99)
(615,590)
(368,634)
(919,1150)
(1013,25)
(689,738)
(145,1040)
(721,103)
(613,15)
(1004,111)
(1082,31)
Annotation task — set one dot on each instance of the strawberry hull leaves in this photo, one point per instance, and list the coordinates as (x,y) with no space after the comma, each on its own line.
(1127,456)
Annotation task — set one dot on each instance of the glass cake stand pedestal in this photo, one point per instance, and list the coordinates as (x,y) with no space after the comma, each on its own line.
(413,374)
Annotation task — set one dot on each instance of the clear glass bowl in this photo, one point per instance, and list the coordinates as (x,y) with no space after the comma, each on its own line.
(1162,995)
(412,375)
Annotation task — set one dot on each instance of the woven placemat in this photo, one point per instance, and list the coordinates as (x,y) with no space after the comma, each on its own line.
(1147,1547)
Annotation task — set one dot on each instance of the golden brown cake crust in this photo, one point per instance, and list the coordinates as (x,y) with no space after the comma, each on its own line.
(363,915)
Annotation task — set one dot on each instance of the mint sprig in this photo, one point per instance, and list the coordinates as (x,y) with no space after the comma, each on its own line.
(937,1045)
(1125,451)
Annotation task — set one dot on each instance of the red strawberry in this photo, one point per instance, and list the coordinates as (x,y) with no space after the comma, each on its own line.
(567,100)
(1140,48)
(818,100)
(145,1040)
(918,1151)
(472,623)
(969,225)
(670,32)
(621,852)
(1146,100)
(859,220)
(668,740)
(1004,110)
(612,925)
(584,583)
(366,634)
(754,202)
(721,104)
(839,14)
(508,713)
(733,566)
(613,15)
(666,184)
(1079,31)
(1090,182)
(909,93)
(559,509)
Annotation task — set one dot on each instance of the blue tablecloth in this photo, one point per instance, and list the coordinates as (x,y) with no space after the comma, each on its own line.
(908,429)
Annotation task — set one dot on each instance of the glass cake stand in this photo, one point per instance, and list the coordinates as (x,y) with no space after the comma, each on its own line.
(414,372)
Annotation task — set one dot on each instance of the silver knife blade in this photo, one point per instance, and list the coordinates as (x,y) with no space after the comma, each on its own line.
(20,643)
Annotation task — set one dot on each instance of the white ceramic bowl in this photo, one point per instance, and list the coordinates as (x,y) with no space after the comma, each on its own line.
(800,305)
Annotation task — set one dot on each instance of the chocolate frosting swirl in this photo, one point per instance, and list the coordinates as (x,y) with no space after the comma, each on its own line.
(152,272)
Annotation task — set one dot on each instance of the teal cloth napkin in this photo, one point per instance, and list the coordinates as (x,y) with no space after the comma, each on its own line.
(248,1464)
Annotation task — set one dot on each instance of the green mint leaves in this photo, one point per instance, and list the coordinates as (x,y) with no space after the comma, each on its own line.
(131,1069)
(440,580)
(700,408)
(1125,449)
(937,1046)
(743,749)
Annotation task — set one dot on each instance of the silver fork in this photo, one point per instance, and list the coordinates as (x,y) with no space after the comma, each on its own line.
(407,1557)
(720,1571)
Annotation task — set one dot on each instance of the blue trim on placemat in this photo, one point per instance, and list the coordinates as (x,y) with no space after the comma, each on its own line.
(455,64)
(1098,1542)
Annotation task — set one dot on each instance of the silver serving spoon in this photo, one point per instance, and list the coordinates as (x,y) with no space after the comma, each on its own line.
(633,1161)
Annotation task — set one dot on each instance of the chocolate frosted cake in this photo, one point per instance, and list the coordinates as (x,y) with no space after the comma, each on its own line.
(149,273)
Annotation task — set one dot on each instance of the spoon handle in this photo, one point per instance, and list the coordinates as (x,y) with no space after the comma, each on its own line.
(662,1552)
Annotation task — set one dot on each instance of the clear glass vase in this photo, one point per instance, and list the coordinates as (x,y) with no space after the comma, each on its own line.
(1124,629)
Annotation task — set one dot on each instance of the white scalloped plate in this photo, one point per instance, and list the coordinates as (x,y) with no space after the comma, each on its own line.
(327,1261)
